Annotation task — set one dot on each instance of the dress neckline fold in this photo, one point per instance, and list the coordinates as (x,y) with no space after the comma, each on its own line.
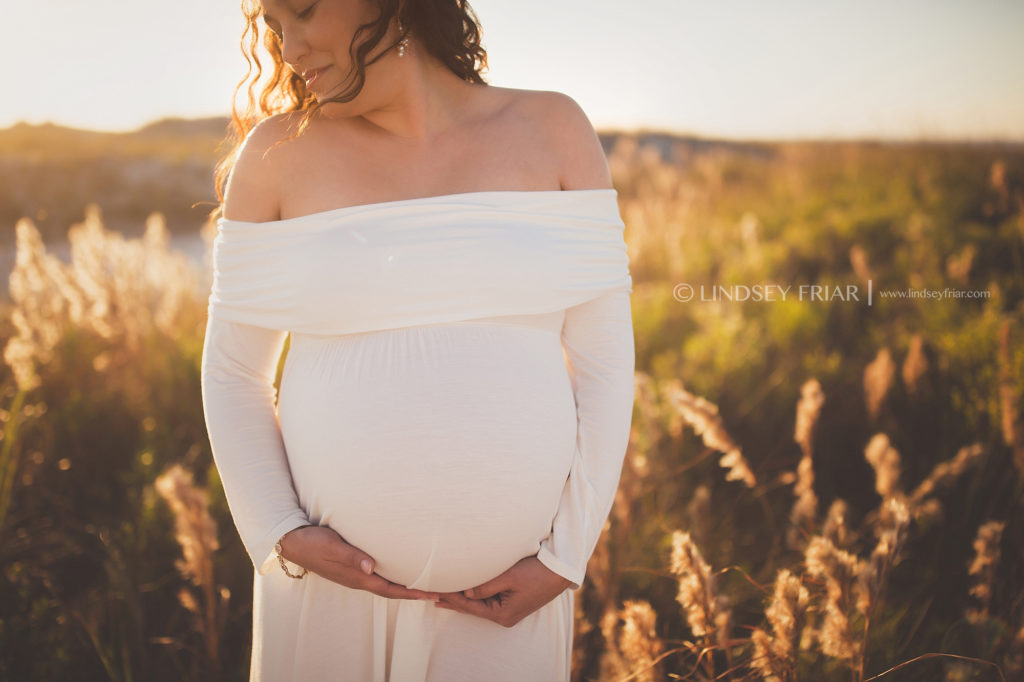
(462,197)
(427,260)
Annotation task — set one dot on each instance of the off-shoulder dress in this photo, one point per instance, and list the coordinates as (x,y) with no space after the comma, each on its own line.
(457,395)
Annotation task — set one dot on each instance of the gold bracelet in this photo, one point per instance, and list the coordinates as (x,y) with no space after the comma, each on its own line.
(281,559)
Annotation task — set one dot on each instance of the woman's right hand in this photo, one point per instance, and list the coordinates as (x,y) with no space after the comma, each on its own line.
(323,551)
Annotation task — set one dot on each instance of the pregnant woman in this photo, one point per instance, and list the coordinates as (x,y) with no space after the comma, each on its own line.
(447,261)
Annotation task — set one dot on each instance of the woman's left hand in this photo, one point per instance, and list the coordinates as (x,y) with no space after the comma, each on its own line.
(510,597)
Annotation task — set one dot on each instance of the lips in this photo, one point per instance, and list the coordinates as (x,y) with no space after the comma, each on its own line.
(310,75)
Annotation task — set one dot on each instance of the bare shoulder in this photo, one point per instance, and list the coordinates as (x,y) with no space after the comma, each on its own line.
(567,131)
(253,188)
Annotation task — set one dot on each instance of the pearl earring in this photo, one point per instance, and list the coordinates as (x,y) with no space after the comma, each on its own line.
(404,43)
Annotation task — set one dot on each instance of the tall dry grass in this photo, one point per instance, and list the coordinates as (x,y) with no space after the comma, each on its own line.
(196,532)
(802,620)
(97,351)
(827,607)
(809,492)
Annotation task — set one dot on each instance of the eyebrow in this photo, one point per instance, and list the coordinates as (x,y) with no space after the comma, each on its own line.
(266,16)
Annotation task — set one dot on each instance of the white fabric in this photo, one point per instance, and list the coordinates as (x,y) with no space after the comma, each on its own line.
(420,261)
(456,396)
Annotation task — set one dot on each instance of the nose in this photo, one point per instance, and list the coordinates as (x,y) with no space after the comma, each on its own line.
(293,47)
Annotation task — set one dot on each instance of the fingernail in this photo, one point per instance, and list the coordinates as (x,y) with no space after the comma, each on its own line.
(367,568)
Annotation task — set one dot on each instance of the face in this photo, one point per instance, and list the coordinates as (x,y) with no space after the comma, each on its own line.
(315,36)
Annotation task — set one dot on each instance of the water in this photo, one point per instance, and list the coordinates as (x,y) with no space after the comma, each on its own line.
(190,243)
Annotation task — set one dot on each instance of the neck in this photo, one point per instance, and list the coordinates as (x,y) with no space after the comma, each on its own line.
(421,99)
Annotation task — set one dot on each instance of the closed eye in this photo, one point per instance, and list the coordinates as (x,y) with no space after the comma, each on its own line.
(267,20)
(304,14)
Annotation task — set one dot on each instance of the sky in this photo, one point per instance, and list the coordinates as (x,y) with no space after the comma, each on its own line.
(787,69)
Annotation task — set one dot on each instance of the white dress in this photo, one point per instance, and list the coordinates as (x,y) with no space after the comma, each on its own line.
(457,395)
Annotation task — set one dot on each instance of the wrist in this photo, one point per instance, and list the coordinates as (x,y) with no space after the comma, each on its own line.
(281,546)
(556,577)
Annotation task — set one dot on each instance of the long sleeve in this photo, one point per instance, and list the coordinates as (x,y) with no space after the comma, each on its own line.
(238,368)
(598,340)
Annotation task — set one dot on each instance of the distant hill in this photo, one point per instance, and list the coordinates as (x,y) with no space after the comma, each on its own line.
(215,126)
(50,172)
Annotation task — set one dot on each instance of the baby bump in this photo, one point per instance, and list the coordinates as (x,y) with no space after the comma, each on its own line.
(441,451)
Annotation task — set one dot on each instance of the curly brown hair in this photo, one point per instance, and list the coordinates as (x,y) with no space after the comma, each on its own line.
(448,29)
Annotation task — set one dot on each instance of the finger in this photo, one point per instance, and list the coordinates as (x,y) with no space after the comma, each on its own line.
(362,561)
(413,592)
(488,589)
(393,591)
(385,588)
(349,555)
(444,602)
(477,607)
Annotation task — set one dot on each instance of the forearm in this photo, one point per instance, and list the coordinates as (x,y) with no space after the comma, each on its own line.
(598,341)
(238,368)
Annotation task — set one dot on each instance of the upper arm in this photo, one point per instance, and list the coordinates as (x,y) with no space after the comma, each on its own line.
(581,160)
(253,187)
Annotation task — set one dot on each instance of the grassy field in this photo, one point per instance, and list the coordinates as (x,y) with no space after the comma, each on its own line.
(815,489)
